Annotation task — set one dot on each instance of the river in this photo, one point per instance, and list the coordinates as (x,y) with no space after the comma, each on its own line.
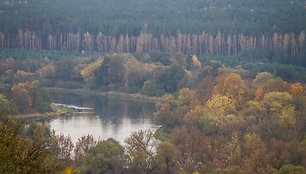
(111,118)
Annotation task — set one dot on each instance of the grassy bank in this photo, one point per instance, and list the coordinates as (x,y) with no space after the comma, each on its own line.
(109,94)
(57,111)
(38,116)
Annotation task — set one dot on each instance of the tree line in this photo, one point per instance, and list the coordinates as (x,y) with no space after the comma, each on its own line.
(200,44)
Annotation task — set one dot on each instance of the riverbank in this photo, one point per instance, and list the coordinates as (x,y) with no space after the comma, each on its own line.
(38,116)
(109,94)
(58,110)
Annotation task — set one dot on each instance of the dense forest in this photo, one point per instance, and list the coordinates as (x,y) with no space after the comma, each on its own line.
(227,78)
(118,17)
(190,27)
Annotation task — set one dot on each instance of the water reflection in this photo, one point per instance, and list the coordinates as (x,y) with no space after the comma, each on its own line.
(112,117)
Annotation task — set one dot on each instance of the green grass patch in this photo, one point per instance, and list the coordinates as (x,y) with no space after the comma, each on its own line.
(61,109)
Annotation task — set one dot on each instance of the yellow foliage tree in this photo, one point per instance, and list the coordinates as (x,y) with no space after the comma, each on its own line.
(221,109)
(277,100)
(231,85)
(87,72)
(221,104)
(234,150)
(297,89)
(47,71)
(254,149)
(196,62)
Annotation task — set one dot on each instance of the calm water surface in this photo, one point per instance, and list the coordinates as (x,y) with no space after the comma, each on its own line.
(111,118)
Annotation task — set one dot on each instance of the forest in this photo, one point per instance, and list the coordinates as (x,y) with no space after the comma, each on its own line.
(191,27)
(166,17)
(227,78)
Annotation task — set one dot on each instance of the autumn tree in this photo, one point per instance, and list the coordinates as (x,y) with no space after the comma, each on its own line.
(279,105)
(47,71)
(24,76)
(266,82)
(187,100)
(4,107)
(234,150)
(82,146)
(287,169)
(190,143)
(22,154)
(220,109)
(141,149)
(136,73)
(254,149)
(196,63)
(297,89)
(88,71)
(232,86)
(284,152)
(204,88)
(64,147)
(262,78)
(106,156)
(166,111)
(6,65)
(298,92)
(21,98)
(167,156)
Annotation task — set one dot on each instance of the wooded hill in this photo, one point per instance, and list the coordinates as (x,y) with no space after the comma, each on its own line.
(191,27)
